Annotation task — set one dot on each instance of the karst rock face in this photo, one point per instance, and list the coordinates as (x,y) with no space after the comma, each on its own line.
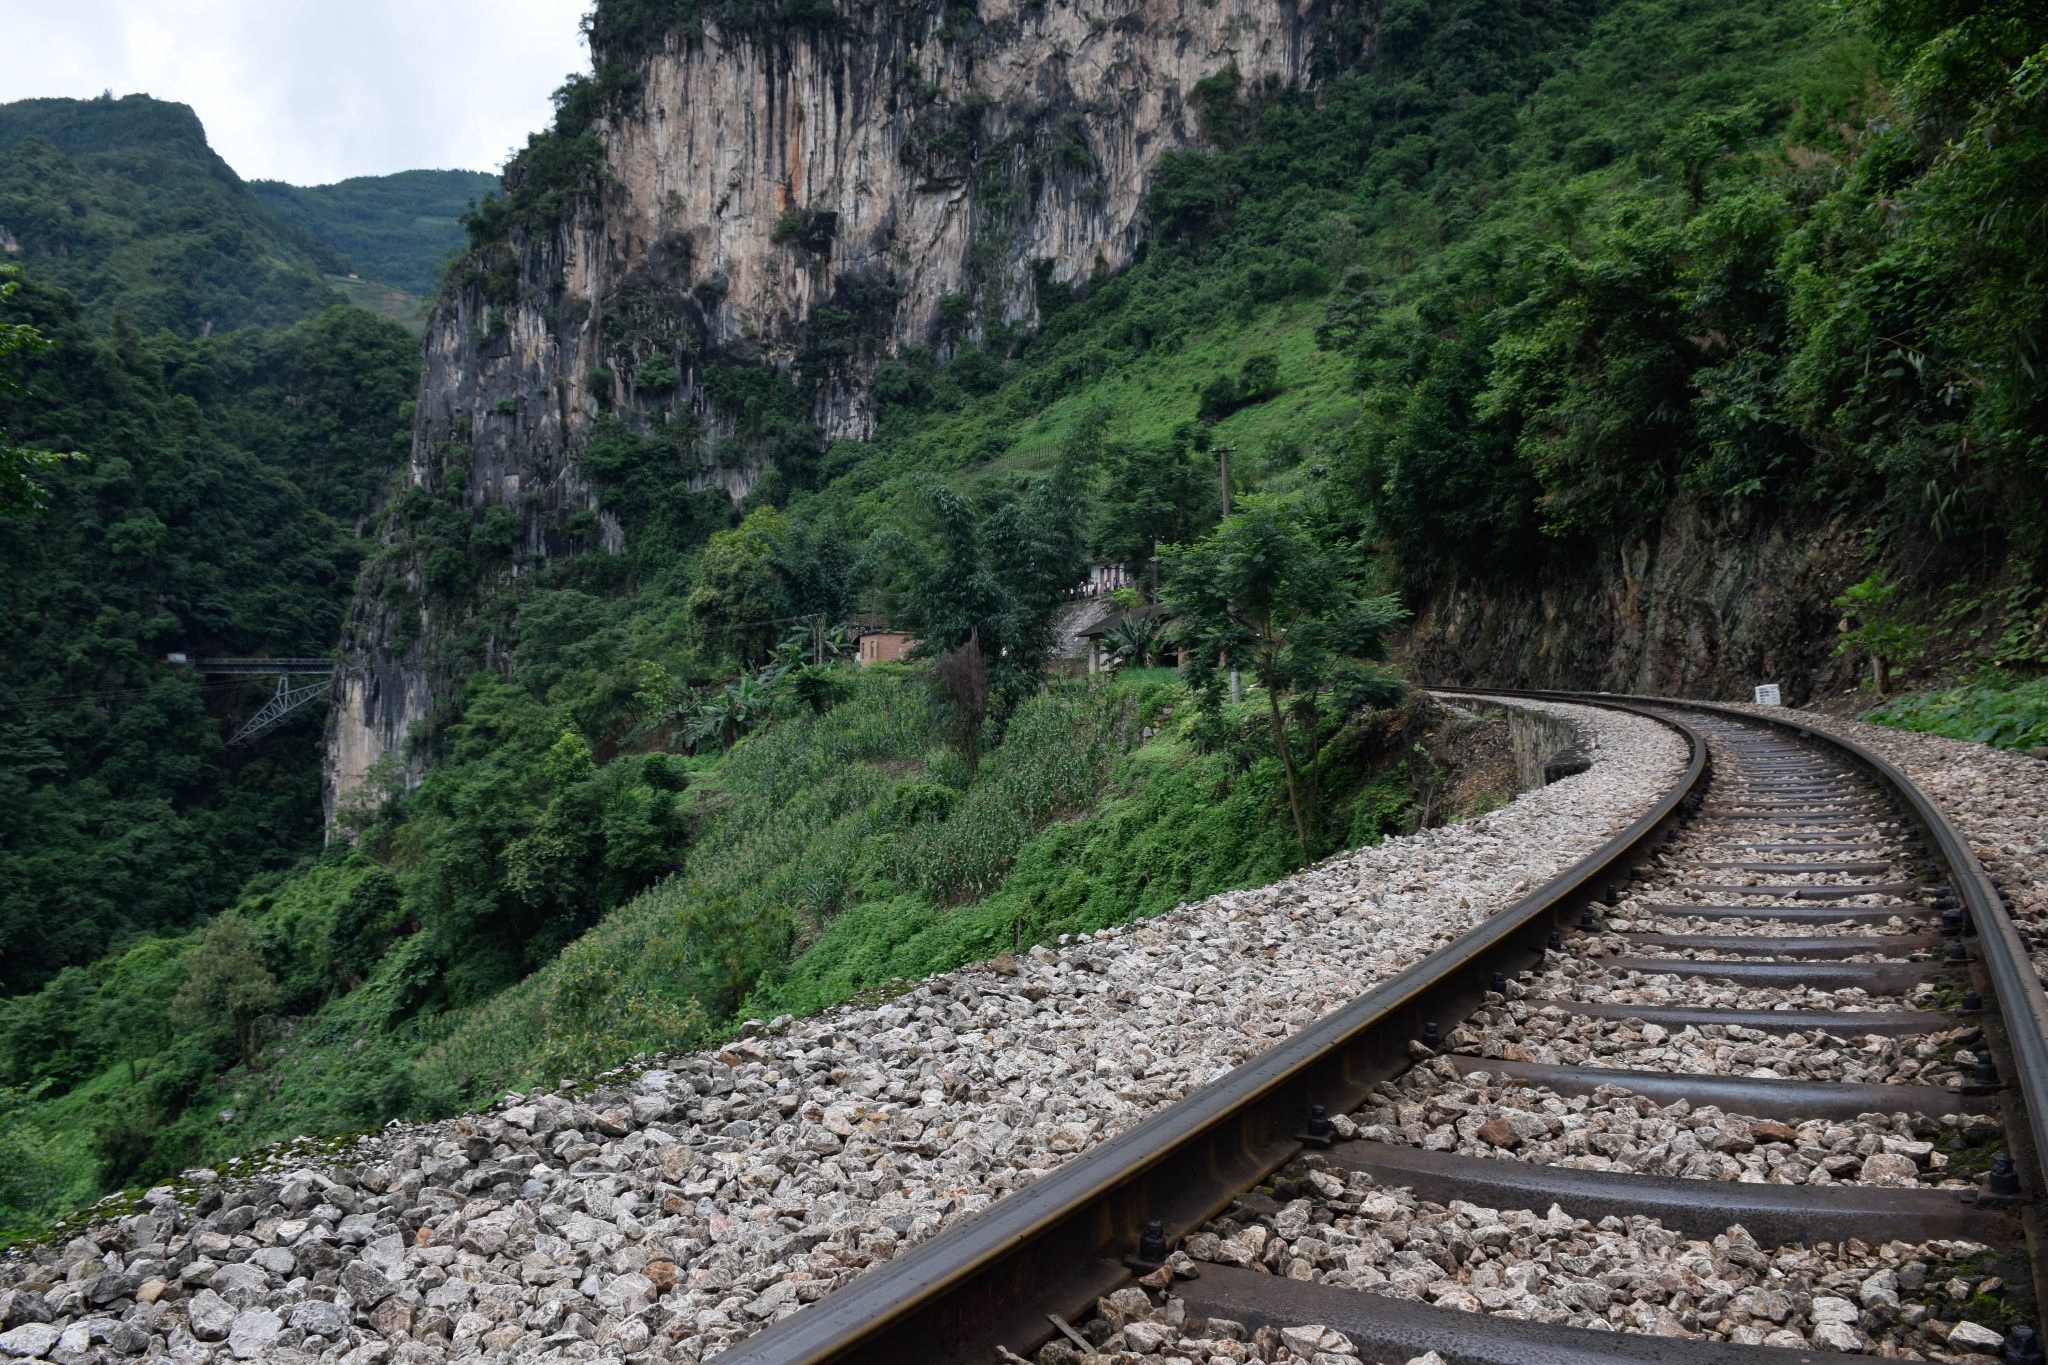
(813,201)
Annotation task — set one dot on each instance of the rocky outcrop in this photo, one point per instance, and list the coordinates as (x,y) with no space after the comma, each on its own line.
(1701,605)
(804,205)
(887,168)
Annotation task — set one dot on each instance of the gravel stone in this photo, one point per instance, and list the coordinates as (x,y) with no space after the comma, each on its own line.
(1632,1275)
(665,1210)
(1614,1129)
(32,1340)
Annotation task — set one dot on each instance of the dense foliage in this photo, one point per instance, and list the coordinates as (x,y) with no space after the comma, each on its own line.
(400,229)
(1989,710)
(206,517)
(1804,290)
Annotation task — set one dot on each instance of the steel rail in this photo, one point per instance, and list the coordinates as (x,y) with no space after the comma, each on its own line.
(2016,987)
(1060,1243)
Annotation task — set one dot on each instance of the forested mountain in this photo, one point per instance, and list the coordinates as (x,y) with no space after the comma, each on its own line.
(122,203)
(397,229)
(1467,297)
(213,513)
(228,425)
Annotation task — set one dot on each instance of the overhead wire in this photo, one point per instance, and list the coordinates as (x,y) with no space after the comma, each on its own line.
(108,694)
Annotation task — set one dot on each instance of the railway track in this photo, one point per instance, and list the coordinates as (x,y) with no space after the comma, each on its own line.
(1774,1048)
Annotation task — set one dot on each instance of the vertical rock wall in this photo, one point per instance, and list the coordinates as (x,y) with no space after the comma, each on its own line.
(812,202)
(1702,605)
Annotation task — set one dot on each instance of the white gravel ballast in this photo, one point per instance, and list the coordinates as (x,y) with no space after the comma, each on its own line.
(686,1202)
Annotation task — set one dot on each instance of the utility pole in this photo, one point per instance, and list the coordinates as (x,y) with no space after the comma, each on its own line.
(1223,471)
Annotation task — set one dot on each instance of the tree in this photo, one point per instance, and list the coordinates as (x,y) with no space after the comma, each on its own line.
(1871,625)
(227,986)
(961,676)
(1152,495)
(21,490)
(731,611)
(1275,597)
(999,577)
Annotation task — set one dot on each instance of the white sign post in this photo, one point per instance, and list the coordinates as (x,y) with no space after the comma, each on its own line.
(1767,695)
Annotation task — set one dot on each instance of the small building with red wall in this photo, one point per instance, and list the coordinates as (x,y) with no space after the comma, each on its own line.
(884,646)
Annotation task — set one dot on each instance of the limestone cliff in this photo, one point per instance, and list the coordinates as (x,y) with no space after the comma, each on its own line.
(808,203)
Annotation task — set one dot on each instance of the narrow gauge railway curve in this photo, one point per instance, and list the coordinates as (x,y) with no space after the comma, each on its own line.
(1793,898)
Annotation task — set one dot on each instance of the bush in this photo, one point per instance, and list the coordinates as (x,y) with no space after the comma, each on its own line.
(1990,711)
(808,230)
(657,376)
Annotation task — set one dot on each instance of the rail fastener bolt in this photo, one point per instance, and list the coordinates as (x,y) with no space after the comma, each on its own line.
(1500,984)
(1556,941)
(1320,1131)
(1972,1003)
(1430,1036)
(2023,1346)
(1152,1246)
(1985,1072)
(2004,1181)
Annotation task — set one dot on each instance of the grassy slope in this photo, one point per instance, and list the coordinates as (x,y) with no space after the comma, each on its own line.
(392,304)
(1153,395)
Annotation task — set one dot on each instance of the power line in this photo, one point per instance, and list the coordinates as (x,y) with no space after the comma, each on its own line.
(108,694)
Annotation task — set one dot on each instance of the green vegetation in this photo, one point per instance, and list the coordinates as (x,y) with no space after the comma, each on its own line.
(1992,710)
(212,515)
(22,468)
(1516,282)
(1874,627)
(1270,596)
(122,203)
(398,229)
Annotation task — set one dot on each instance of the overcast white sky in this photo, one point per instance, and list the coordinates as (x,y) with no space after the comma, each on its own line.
(312,91)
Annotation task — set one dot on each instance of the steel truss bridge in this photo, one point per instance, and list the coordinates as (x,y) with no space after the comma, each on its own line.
(299,683)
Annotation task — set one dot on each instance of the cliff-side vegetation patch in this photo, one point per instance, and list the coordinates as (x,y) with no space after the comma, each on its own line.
(1991,710)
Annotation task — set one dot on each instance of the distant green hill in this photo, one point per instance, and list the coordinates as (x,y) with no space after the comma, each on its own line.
(123,204)
(397,229)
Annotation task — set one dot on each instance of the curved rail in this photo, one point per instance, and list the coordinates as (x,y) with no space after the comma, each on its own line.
(2016,987)
(986,1287)
(1059,1244)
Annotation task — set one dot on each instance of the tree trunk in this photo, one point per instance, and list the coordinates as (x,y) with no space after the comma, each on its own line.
(1286,758)
(1315,762)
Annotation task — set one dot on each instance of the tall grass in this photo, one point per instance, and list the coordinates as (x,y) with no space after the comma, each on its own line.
(1051,765)
(792,811)
(826,867)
